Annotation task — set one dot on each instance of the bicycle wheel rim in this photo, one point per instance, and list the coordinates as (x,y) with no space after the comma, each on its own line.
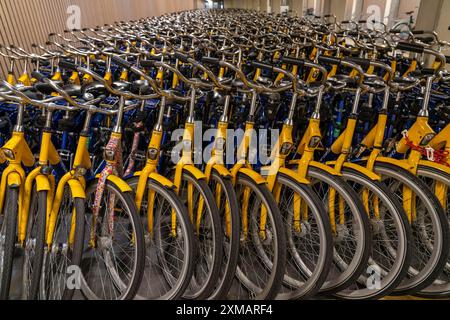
(391,273)
(230,223)
(441,286)
(310,247)
(155,270)
(61,273)
(423,239)
(101,264)
(353,232)
(244,286)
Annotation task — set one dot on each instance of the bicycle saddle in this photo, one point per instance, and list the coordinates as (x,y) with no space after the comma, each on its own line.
(73,90)
(45,88)
(93,90)
(33,94)
(374,81)
(121,85)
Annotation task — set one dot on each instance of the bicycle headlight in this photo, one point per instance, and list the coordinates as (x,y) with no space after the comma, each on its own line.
(314,142)
(109,155)
(286,148)
(9,154)
(426,139)
(152,153)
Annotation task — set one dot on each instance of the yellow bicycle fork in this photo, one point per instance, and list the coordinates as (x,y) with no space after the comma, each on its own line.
(43,181)
(18,153)
(77,184)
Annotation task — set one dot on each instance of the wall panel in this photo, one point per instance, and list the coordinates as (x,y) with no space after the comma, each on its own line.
(23,22)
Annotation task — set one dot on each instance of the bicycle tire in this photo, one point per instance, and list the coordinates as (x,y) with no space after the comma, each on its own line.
(231,241)
(269,289)
(399,267)
(202,286)
(70,258)
(37,216)
(311,274)
(339,280)
(416,282)
(129,209)
(176,291)
(9,226)
(440,288)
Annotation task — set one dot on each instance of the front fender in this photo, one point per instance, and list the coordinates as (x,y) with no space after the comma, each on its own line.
(42,183)
(325,168)
(293,175)
(253,175)
(222,171)
(399,163)
(14,180)
(198,175)
(122,185)
(435,165)
(372,175)
(77,189)
(161,180)
(350,165)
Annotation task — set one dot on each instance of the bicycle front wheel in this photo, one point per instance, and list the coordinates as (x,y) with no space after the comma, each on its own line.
(8,228)
(430,232)
(309,240)
(34,245)
(113,259)
(205,217)
(391,236)
(352,237)
(61,273)
(439,183)
(169,248)
(261,262)
(227,204)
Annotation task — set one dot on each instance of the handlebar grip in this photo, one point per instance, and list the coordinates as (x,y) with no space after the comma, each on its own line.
(418,32)
(121,62)
(293,61)
(329,60)
(412,47)
(68,65)
(147,63)
(210,60)
(38,76)
(395,31)
(262,65)
(182,57)
(363,63)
